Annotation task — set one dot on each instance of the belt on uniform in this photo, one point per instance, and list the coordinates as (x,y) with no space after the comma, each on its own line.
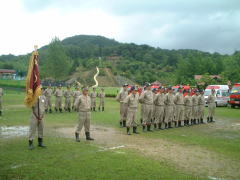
(159,105)
(39,118)
(179,104)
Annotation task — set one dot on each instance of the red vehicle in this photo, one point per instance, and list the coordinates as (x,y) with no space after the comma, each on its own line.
(235,96)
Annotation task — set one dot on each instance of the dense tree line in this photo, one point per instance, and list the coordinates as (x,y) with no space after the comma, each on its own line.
(140,63)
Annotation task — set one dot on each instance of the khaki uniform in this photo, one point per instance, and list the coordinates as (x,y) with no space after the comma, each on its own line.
(48,94)
(194,107)
(159,108)
(58,93)
(76,94)
(179,102)
(123,107)
(93,96)
(68,95)
(211,105)
(188,107)
(36,119)
(1,95)
(131,102)
(169,101)
(146,98)
(83,106)
(201,103)
(154,109)
(101,96)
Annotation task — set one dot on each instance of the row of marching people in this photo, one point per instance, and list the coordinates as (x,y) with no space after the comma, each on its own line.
(70,98)
(162,108)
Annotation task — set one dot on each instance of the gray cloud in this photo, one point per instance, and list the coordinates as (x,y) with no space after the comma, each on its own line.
(193,24)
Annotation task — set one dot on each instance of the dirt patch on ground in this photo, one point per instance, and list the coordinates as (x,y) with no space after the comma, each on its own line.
(189,158)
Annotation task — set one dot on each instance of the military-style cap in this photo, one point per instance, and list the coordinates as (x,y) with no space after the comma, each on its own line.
(125,85)
(85,89)
(133,88)
(154,89)
(147,84)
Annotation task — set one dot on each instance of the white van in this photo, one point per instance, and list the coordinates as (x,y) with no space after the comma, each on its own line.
(221,93)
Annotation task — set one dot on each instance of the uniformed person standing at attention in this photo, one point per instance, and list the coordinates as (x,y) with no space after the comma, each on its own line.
(36,122)
(93,96)
(123,108)
(194,107)
(169,101)
(211,106)
(68,95)
(1,95)
(155,91)
(83,106)
(131,102)
(201,105)
(159,108)
(101,96)
(48,94)
(188,107)
(58,94)
(146,98)
(76,94)
(179,102)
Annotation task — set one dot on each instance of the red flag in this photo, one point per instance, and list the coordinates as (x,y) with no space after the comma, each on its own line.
(33,82)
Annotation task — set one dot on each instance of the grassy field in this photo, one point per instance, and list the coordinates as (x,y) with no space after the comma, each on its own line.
(170,154)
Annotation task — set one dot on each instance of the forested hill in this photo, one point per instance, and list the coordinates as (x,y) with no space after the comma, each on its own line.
(140,63)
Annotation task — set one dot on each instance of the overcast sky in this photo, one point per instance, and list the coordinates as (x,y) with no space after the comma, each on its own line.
(207,25)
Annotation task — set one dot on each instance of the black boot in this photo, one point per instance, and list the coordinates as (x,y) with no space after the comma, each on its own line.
(88,136)
(211,119)
(0,113)
(143,128)
(69,109)
(121,124)
(198,121)
(56,109)
(46,110)
(91,109)
(169,125)
(166,125)
(179,124)
(175,123)
(155,126)
(50,110)
(40,143)
(159,125)
(124,123)
(149,128)
(201,121)
(94,109)
(30,145)
(99,109)
(141,120)
(102,108)
(208,120)
(135,130)
(77,137)
(60,109)
(128,131)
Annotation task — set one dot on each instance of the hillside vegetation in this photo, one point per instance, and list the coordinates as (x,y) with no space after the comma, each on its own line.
(61,60)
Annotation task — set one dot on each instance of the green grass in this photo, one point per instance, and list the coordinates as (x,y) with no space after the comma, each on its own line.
(66,157)
(12,83)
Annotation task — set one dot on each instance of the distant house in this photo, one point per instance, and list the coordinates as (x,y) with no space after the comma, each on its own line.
(7,74)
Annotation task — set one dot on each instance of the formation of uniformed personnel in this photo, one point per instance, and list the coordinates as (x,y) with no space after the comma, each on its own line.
(76,94)
(83,106)
(36,122)
(58,94)
(68,95)
(101,96)
(1,95)
(93,96)
(146,98)
(131,101)
(48,94)
(123,108)
(211,106)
